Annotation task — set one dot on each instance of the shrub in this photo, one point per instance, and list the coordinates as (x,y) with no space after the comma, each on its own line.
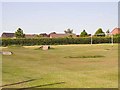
(57,41)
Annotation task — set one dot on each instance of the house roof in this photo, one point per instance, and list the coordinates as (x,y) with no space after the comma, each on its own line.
(8,34)
(44,34)
(59,35)
(30,35)
(115,31)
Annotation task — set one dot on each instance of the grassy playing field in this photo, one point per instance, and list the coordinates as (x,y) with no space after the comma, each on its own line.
(63,66)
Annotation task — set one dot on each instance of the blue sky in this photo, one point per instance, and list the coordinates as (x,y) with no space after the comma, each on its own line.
(46,17)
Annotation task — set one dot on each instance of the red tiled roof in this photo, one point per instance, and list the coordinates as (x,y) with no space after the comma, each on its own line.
(115,31)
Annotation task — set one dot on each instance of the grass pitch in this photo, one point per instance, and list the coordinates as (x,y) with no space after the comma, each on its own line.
(63,66)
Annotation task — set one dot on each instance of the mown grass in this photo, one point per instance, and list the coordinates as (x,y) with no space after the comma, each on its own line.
(91,66)
(95,56)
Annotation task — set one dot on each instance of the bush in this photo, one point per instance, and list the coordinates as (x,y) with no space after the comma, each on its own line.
(58,41)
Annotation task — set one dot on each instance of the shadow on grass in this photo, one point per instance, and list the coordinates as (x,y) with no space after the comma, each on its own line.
(18,82)
(107,49)
(30,88)
(41,48)
(95,56)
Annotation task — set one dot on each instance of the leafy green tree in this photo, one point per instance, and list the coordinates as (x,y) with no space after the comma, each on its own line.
(99,32)
(69,31)
(108,31)
(19,33)
(117,35)
(84,33)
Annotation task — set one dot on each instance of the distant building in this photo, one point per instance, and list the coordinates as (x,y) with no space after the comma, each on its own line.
(53,33)
(30,35)
(44,35)
(8,35)
(12,35)
(115,31)
(61,35)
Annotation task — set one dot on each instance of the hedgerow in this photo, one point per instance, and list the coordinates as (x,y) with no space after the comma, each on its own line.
(58,41)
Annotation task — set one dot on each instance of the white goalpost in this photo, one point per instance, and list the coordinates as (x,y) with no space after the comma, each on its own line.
(112,41)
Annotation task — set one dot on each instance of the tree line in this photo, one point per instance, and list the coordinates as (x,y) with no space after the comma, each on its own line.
(20,34)
(99,32)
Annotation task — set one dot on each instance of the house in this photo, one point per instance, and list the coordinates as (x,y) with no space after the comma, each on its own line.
(57,35)
(12,35)
(53,33)
(44,35)
(61,35)
(30,35)
(115,31)
(8,35)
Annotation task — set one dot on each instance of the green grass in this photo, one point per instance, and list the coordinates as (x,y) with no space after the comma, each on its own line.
(95,56)
(91,66)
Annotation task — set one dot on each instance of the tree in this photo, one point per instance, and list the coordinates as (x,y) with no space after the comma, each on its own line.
(19,33)
(99,32)
(83,33)
(108,32)
(69,31)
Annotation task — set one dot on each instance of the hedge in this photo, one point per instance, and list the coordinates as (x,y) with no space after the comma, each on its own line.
(57,41)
